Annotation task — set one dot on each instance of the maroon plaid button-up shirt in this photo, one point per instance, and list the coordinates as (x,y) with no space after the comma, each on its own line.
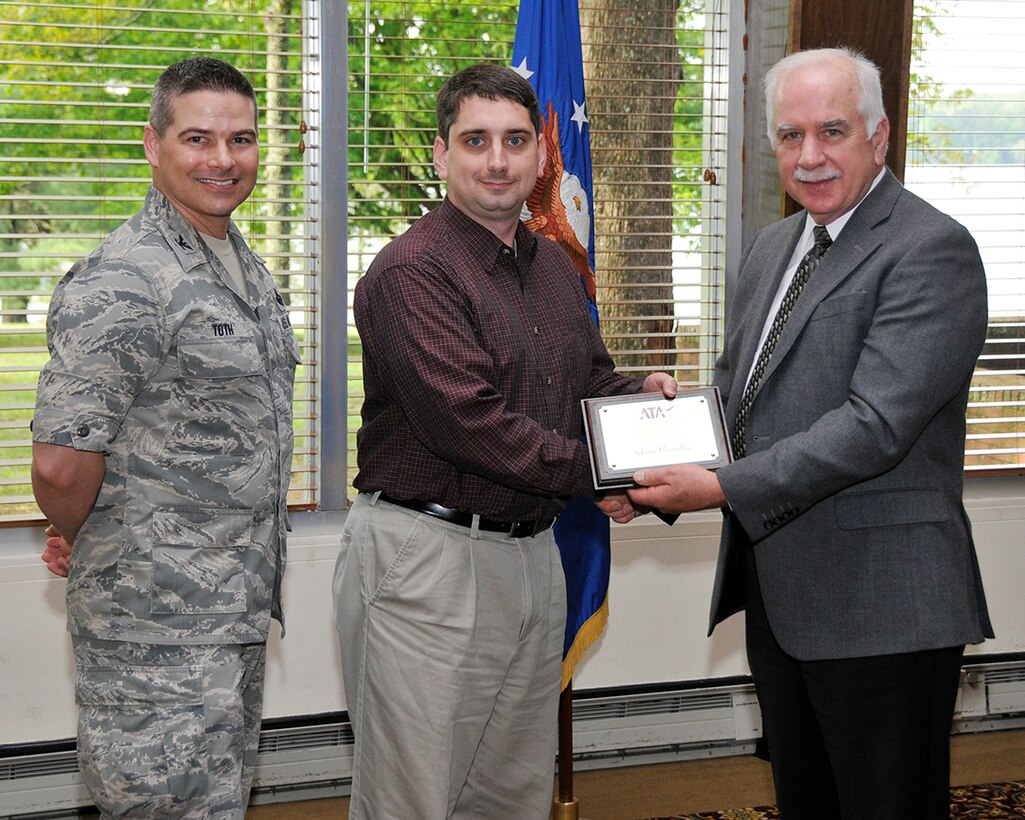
(475,359)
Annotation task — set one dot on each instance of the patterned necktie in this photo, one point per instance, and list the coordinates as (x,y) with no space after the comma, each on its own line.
(801,275)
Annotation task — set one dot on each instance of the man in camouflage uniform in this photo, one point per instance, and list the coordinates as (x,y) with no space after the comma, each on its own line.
(161,455)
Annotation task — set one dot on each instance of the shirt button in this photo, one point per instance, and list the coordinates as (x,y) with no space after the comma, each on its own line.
(548,380)
(83,430)
(536,330)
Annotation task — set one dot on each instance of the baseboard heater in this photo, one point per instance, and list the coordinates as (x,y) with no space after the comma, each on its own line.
(311,757)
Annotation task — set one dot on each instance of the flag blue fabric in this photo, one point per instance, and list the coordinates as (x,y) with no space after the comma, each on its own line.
(547,52)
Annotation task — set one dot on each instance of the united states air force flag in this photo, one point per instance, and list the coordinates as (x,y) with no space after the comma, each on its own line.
(547,52)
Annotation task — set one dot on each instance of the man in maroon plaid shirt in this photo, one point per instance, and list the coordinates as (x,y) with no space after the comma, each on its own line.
(449,592)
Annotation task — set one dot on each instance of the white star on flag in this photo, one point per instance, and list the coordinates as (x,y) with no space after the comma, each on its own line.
(522,69)
(579,114)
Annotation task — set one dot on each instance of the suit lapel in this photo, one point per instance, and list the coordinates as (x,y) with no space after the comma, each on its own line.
(780,249)
(856,243)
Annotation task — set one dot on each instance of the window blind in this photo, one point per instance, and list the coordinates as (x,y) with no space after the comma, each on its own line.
(75,83)
(966,155)
(656,95)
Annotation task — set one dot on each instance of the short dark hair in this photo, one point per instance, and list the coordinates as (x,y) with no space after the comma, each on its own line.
(488,80)
(194,74)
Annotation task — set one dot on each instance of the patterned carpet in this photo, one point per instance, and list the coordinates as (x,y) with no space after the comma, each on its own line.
(991,801)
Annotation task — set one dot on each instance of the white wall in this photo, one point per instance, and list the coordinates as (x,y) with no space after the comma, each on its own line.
(659,594)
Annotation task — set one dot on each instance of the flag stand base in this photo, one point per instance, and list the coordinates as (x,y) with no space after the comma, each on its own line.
(565,811)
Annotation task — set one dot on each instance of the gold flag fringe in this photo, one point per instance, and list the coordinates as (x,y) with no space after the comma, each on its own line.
(588,633)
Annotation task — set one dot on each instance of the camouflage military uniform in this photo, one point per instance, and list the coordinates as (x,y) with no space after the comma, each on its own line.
(169,732)
(187,389)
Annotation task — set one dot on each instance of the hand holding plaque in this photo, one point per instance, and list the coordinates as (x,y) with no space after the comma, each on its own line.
(630,433)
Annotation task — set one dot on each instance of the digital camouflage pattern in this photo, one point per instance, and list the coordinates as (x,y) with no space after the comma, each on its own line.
(187,389)
(168,732)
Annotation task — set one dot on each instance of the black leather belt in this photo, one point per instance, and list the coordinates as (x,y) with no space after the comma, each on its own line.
(514,529)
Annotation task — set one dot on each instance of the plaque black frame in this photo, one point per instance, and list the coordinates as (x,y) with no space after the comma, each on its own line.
(607,478)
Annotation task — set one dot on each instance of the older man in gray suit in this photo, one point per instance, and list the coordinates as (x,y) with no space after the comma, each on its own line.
(845,536)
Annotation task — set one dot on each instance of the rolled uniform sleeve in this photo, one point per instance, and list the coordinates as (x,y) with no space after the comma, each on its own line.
(104,330)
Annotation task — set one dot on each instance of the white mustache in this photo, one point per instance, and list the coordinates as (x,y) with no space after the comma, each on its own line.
(802,175)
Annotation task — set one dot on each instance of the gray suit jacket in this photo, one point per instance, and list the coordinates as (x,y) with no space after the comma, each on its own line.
(850,495)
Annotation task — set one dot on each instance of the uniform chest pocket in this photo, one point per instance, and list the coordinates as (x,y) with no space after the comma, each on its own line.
(229,358)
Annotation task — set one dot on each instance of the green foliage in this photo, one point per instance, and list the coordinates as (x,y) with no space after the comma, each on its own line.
(958,125)
(688,128)
(72,143)
(75,84)
(984,129)
(399,56)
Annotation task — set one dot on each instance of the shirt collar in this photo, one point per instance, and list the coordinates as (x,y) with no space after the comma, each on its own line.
(526,240)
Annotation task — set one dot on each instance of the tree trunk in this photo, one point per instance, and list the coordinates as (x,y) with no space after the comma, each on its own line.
(632,73)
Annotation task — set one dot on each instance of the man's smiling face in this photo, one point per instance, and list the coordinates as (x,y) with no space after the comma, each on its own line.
(826,158)
(206,160)
(491,162)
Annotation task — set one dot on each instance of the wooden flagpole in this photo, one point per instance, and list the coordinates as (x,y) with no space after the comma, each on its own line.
(565,805)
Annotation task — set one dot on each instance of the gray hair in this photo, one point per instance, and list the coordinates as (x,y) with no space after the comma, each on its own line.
(870,97)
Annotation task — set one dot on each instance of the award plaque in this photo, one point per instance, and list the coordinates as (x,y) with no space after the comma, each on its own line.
(630,433)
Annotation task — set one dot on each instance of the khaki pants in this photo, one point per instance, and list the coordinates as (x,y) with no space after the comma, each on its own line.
(168,732)
(451,648)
